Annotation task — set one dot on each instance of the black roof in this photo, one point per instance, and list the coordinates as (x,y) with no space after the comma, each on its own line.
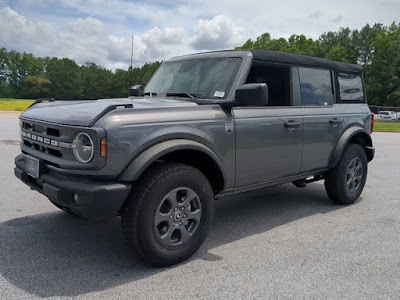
(303,60)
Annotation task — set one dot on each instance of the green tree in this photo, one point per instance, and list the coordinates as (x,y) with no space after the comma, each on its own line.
(37,86)
(64,77)
(120,83)
(95,81)
(375,47)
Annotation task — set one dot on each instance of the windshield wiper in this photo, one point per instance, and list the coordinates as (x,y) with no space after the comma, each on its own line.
(187,95)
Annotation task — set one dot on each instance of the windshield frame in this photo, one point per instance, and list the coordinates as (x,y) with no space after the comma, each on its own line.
(231,86)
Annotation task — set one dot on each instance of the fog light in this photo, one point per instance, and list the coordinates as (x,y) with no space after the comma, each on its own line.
(76,198)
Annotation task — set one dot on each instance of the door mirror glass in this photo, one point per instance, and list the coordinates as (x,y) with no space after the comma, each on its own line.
(136,91)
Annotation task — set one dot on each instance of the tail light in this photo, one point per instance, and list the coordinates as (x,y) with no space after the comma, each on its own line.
(372,122)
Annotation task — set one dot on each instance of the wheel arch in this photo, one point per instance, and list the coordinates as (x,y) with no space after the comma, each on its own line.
(356,135)
(185,151)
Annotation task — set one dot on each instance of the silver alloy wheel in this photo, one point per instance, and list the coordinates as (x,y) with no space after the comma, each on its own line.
(354,175)
(178,216)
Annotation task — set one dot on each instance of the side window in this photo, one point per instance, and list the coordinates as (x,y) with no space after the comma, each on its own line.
(316,87)
(351,87)
(278,80)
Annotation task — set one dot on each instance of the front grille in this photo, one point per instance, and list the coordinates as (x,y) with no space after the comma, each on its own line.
(47,139)
(41,129)
(43,149)
(52,144)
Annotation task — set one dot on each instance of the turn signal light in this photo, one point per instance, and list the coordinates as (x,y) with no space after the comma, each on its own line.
(103,147)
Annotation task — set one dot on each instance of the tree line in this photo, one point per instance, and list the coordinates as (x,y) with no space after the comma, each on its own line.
(24,76)
(376,48)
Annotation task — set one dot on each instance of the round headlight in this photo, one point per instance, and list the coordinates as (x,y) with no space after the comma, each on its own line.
(83,147)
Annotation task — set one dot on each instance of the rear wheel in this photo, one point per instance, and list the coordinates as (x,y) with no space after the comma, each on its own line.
(168,215)
(345,183)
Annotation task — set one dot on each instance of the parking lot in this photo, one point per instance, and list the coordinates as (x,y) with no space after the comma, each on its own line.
(281,243)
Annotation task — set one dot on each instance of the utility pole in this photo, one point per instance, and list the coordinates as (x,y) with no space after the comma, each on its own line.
(132,53)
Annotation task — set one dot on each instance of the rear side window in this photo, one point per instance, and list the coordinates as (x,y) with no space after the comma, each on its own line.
(351,87)
(316,87)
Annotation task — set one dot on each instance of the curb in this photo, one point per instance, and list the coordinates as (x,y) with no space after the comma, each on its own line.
(11,111)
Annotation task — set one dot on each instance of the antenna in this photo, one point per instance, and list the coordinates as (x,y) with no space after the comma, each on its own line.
(132,53)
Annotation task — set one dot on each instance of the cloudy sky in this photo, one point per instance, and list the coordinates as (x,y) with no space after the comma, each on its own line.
(100,31)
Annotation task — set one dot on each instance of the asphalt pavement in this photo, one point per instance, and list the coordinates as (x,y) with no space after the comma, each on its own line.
(280,243)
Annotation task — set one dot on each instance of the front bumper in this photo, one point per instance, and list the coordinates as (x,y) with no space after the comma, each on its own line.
(93,199)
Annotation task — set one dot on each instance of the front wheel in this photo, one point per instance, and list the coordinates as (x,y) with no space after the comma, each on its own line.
(345,182)
(168,215)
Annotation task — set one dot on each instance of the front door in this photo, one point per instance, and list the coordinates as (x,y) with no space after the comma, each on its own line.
(268,143)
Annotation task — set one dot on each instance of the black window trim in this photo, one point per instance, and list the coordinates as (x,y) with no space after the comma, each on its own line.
(338,99)
(277,65)
(333,87)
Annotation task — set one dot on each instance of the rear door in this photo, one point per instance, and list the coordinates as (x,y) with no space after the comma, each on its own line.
(322,119)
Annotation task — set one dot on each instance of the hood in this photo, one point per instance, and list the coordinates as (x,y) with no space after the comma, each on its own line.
(86,113)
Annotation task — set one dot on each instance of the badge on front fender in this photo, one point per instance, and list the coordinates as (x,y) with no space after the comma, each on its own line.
(229,128)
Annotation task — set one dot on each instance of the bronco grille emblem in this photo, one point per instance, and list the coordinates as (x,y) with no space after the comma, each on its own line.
(39,139)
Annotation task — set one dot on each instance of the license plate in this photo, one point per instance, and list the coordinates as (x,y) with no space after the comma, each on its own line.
(32,166)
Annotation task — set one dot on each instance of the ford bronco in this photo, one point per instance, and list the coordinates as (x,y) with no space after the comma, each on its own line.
(205,126)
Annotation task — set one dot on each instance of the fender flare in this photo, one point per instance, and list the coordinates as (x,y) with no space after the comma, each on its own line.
(138,165)
(344,140)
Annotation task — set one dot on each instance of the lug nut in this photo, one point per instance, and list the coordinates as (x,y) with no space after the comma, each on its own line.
(170,217)
(173,224)
(180,223)
(184,216)
(183,208)
(176,208)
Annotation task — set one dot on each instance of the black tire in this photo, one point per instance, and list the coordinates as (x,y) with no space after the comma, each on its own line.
(345,182)
(151,198)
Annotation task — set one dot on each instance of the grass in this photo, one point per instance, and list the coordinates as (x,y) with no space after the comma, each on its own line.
(387,126)
(14,104)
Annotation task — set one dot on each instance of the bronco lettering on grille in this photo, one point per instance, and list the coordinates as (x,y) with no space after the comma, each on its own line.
(40,139)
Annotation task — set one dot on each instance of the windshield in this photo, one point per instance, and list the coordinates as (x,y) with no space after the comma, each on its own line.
(200,78)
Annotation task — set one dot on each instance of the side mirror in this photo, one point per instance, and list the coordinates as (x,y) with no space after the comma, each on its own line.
(136,91)
(252,94)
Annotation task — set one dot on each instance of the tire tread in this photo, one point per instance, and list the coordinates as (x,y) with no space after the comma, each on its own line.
(131,211)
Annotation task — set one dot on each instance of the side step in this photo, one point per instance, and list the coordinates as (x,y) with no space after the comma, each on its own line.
(301,183)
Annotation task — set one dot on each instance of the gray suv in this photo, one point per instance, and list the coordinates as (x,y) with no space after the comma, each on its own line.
(206,126)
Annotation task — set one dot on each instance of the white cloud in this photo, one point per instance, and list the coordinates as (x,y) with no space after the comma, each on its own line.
(86,40)
(218,33)
(19,31)
(100,30)
(88,26)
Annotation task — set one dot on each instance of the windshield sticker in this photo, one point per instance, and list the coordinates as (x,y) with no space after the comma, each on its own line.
(219,94)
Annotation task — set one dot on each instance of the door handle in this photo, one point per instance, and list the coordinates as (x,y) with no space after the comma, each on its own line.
(335,121)
(292,124)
